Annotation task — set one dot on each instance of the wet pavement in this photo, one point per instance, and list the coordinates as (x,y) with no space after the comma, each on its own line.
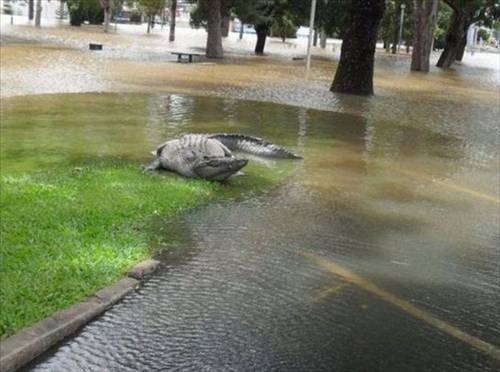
(379,252)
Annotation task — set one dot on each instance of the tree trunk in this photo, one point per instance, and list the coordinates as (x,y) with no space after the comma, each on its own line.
(149,25)
(424,16)
(322,39)
(461,48)
(262,31)
(31,9)
(462,18)
(354,73)
(242,30)
(107,18)
(214,37)
(61,9)
(173,13)
(397,24)
(315,37)
(224,25)
(38,14)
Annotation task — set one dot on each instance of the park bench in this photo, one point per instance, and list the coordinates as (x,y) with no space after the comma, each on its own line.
(94,46)
(187,54)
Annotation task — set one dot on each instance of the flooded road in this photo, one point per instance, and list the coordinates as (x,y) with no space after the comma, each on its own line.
(379,251)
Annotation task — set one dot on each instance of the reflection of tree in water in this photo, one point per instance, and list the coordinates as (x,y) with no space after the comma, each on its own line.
(167,116)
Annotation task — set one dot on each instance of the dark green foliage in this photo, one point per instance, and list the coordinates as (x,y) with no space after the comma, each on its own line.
(284,27)
(484,34)
(332,16)
(443,21)
(390,24)
(199,15)
(85,10)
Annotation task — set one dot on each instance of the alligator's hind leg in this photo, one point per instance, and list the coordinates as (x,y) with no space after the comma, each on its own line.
(155,165)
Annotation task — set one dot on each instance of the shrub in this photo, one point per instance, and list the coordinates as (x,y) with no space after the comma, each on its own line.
(85,10)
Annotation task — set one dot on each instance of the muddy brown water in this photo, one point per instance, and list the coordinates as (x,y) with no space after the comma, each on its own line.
(378,252)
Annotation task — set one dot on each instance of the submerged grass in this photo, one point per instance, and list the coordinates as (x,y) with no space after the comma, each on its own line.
(67,233)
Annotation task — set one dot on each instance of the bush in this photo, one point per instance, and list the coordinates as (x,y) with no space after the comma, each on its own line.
(85,10)
(485,34)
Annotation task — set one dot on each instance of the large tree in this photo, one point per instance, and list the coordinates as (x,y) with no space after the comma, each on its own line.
(425,15)
(214,32)
(354,73)
(465,12)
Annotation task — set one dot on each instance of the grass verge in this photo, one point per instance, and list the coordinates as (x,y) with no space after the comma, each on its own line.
(67,233)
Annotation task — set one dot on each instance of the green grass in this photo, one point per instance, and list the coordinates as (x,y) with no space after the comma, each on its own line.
(67,233)
(74,218)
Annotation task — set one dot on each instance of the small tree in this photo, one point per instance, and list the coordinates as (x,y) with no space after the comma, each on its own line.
(151,8)
(263,14)
(284,27)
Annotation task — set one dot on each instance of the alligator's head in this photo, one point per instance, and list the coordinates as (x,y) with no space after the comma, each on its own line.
(218,169)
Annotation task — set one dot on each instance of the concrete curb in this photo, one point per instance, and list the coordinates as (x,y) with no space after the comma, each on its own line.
(143,269)
(28,343)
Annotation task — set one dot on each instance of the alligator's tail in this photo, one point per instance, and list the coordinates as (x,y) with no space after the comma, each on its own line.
(253,145)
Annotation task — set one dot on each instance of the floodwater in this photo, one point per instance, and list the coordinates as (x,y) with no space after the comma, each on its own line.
(379,251)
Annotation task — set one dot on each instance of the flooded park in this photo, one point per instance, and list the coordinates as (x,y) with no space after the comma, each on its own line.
(378,251)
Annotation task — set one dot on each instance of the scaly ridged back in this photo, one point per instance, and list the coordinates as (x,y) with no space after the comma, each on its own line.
(253,145)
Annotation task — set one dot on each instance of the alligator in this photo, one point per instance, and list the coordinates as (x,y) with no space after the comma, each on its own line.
(210,156)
